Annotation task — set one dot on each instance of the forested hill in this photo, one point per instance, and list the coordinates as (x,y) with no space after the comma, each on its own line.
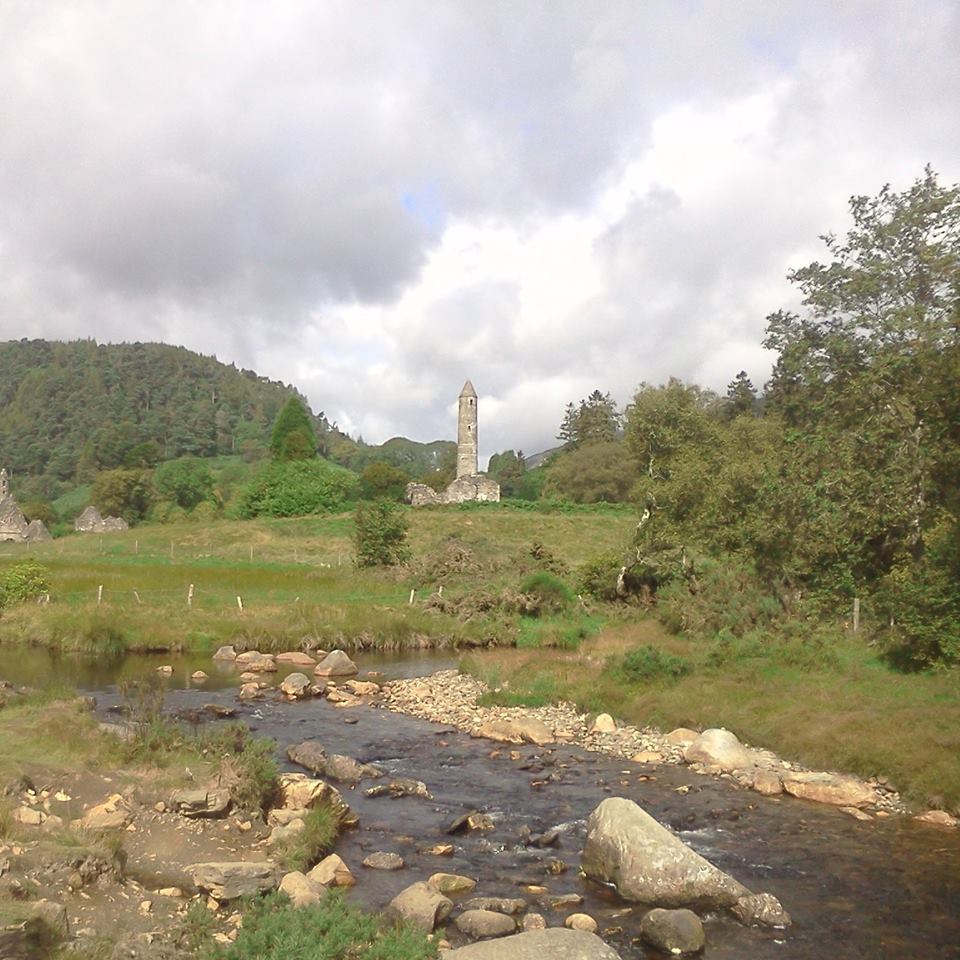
(70,409)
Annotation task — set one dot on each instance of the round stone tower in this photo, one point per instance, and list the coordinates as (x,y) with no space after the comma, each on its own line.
(467,432)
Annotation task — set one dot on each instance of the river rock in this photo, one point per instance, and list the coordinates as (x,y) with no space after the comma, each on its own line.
(525,730)
(165,671)
(401,787)
(556,943)
(604,723)
(939,818)
(508,905)
(198,676)
(309,754)
(348,770)
(287,831)
(112,814)
(761,910)
(299,792)
(625,846)
(421,905)
(302,891)
(201,802)
(485,924)
(297,658)
(681,737)
(225,653)
(281,816)
(534,921)
(362,688)
(450,884)
(261,663)
(232,879)
(331,871)
(719,748)
(767,782)
(581,921)
(829,788)
(249,691)
(336,664)
(381,860)
(295,686)
(673,931)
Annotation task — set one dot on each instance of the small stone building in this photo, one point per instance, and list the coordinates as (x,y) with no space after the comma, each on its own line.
(13,524)
(90,521)
(470,484)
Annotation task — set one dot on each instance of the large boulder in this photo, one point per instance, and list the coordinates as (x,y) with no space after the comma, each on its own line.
(761,910)
(421,905)
(485,924)
(201,802)
(526,730)
(331,871)
(295,686)
(302,890)
(673,931)
(309,754)
(296,657)
(625,846)
(226,653)
(336,664)
(556,943)
(233,879)
(829,788)
(112,814)
(347,770)
(719,748)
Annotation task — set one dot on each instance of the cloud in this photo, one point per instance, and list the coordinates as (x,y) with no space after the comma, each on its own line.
(376,201)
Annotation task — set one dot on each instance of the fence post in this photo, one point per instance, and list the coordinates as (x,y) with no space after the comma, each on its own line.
(240,604)
(137,595)
(190,596)
(99,594)
(856,614)
(413,593)
(251,553)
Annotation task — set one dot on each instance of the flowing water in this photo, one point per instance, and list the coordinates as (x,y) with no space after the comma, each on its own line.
(879,889)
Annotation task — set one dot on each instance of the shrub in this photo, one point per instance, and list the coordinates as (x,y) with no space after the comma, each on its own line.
(380,534)
(273,929)
(296,488)
(647,664)
(549,589)
(304,849)
(23,581)
(185,482)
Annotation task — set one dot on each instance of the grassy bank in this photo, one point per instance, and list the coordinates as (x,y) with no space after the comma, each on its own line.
(295,580)
(852,714)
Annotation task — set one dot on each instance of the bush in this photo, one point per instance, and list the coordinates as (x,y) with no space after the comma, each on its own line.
(25,580)
(273,929)
(185,482)
(380,534)
(553,594)
(647,664)
(297,488)
(304,849)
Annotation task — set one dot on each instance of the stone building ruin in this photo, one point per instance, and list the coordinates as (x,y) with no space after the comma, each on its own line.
(90,521)
(13,524)
(470,484)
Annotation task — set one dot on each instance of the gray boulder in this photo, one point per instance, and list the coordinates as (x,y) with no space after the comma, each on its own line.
(233,879)
(201,802)
(347,770)
(309,754)
(382,860)
(336,664)
(625,846)
(421,905)
(556,943)
(485,924)
(761,910)
(719,748)
(295,686)
(673,931)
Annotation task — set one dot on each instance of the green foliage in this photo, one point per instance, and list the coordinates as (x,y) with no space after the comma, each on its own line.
(380,534)
(186,482)
(382,479)
(549,589)
(741,396)
(303,850)
(595,420)
(332,930)
(509,469)
(122,493)
(647,664)
(41,510)
(295,489)
(293,435)
(597,577)
(594,472)
(21,581)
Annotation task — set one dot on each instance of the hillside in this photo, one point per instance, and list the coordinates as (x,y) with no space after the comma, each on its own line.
(70,409)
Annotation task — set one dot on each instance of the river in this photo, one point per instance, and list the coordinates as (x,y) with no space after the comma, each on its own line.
(878,889)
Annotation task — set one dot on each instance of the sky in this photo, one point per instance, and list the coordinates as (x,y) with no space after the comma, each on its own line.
(377,201)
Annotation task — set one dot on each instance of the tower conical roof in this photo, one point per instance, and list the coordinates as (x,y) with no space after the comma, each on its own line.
(468,390)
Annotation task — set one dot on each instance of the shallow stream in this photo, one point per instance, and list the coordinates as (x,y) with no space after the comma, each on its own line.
(879,889)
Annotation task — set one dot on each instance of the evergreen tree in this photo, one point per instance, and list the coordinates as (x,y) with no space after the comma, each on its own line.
(293,436)
(741,396)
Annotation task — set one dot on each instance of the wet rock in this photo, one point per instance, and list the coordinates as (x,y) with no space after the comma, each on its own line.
(450,884)
(673,931)
(485,924)
(421,905)
(439,850)
(939,818)
(299,792)
(402,787)
(856,813)
(112,814)
(232,879)
(302,891)
(332,872)
(165,671)
(297,658)
(256,662)
(829,788)
(200,802)
(556,943)
(581,921)
(604,723)
(382,860)
(309,754)
(761,910)
(681,736)
(625,846)
(296,686)
(767,783)
(719,748)
(336,664)
(563,901)
(216,710)
(507,905)
(348,770)
(249,691)
(342,698)
(362,688)
(516,731)
(647,756)
(198,676)
(225,653)
(287,831)
(534,921)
